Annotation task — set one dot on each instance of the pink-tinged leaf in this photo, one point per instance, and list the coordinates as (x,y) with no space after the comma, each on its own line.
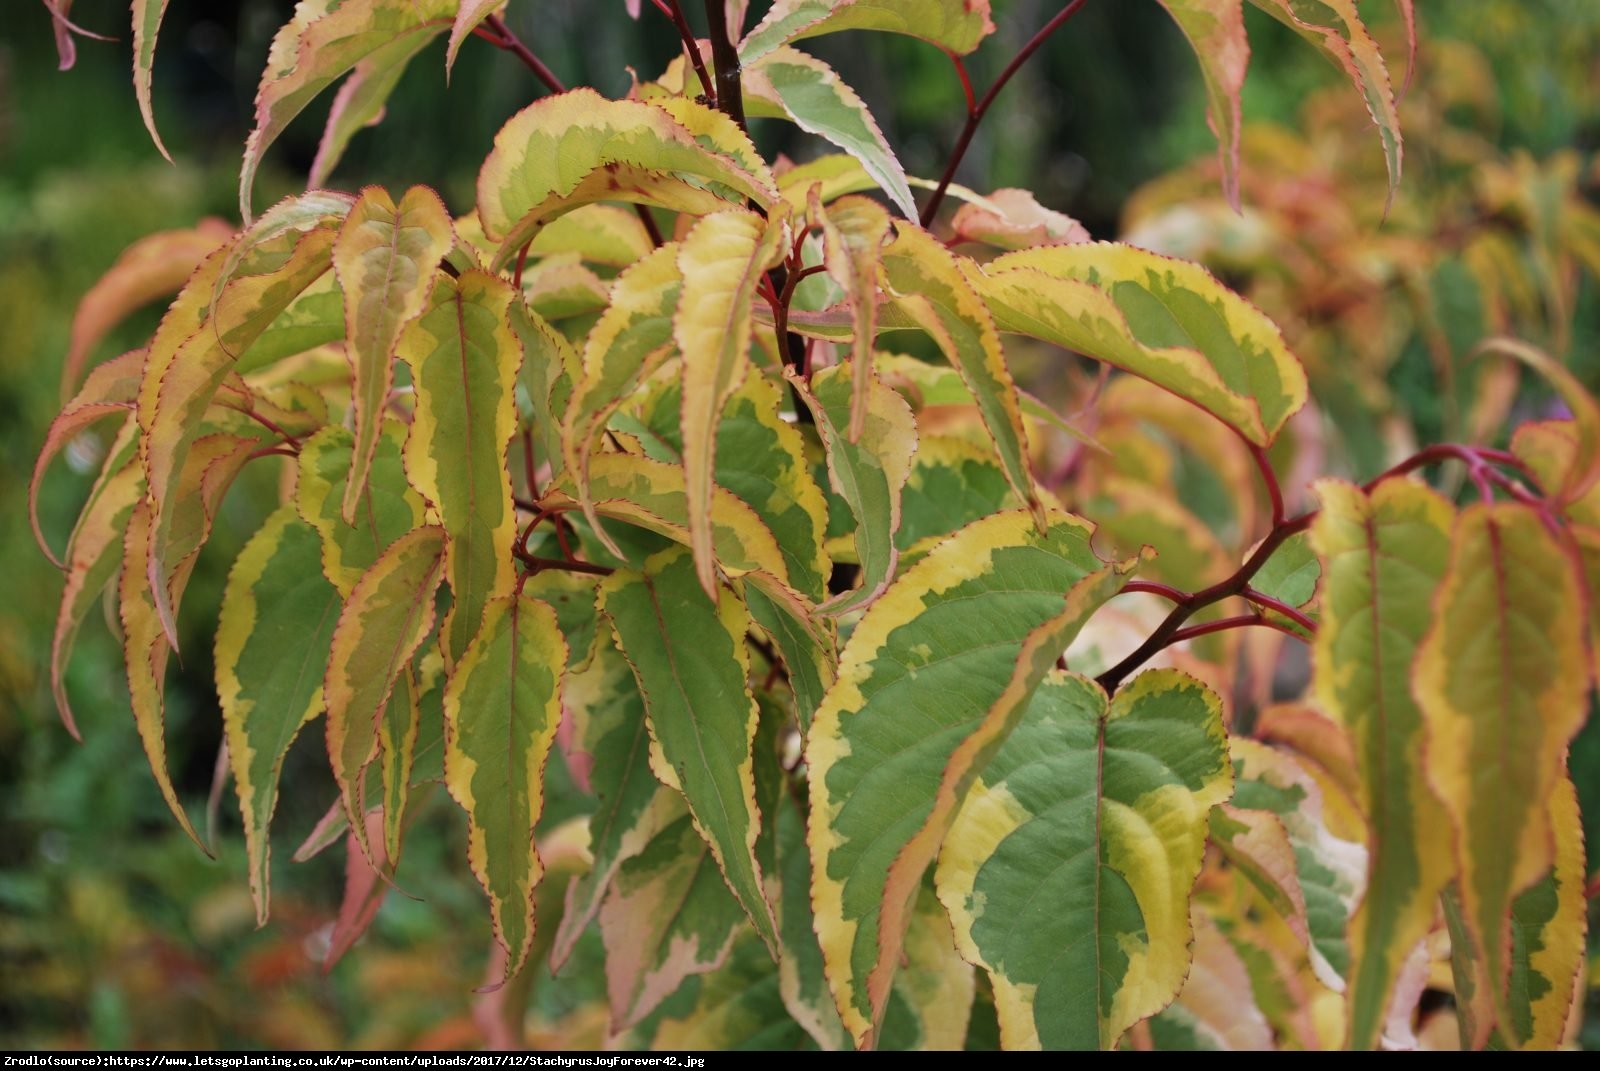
(318,46)
(1335,26)
(1014,219)
(1215,29)
(1408,15)
(152,267)
(147,15)
(1583,468)
(472,12)
(384,258)
(387,616)
(363,891)
(94,553)
(177,390)
(110,391)
(66,47)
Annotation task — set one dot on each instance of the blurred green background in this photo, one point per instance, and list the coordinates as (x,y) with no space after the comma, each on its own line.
(114,931)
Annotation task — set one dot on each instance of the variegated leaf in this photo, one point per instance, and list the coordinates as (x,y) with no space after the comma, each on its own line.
(1215,29)
(721,259)
(387,507)
(273,636)
(1069,868)
(1383,555)
(884,787)
(1165,320)
(501,708)
(954,25)
(464,359)
(688,653)
(384,258)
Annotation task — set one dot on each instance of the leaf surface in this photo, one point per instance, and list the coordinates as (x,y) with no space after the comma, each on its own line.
(954,25)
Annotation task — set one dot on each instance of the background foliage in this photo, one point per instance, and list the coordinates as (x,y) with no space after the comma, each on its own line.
(113,931)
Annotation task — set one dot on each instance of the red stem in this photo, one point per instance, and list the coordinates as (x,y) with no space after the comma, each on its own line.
(975,114)
(1267,602)
(671,10)
(1227,623)
(510,42)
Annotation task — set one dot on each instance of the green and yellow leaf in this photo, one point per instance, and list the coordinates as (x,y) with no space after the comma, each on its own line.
(1383,556)
(854,232)
(273,636)
(931,285)
(1215,30)
(885,787)
(721,260)
(788,82)
(869,472)
(577,147)
(688,653)
(464,359)
(387,507)
(1502,683)
(385,259)
(954,25)
(1068,872)
(1164,320)
(501,708)
(322,42)
(387,615)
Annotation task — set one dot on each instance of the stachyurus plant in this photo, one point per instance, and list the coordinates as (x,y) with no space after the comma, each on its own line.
(709,479)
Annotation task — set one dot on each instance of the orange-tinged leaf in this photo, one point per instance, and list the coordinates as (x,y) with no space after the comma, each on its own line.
(1583,467)
(180,383)
(1215,29)
(721,260)
(154,266)
(470,14)
(1502,681)
(384,258)
(147,15)
(1013,219)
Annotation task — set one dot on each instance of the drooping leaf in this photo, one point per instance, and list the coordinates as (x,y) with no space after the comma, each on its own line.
(721,259)
(807,647)
(628,342)
(549,366)
(954,25)
(931,287)
(577,147)
(1215,29)
(501,707)
(868,472)
(1165,320)
(634,806)
(361,101)
(154,266)
(464,358)
(854,232)
(1335,26)
(668,915)
(791,83)
(884,787)
(108,393)
(385,259)
(316,48)
(145,652)
(471,13)
(689,656)
(1581,473)
(93,555)
(273,636)
(384,620)
(180,383)
(1068,871)
(1502,681)
(1383,556)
